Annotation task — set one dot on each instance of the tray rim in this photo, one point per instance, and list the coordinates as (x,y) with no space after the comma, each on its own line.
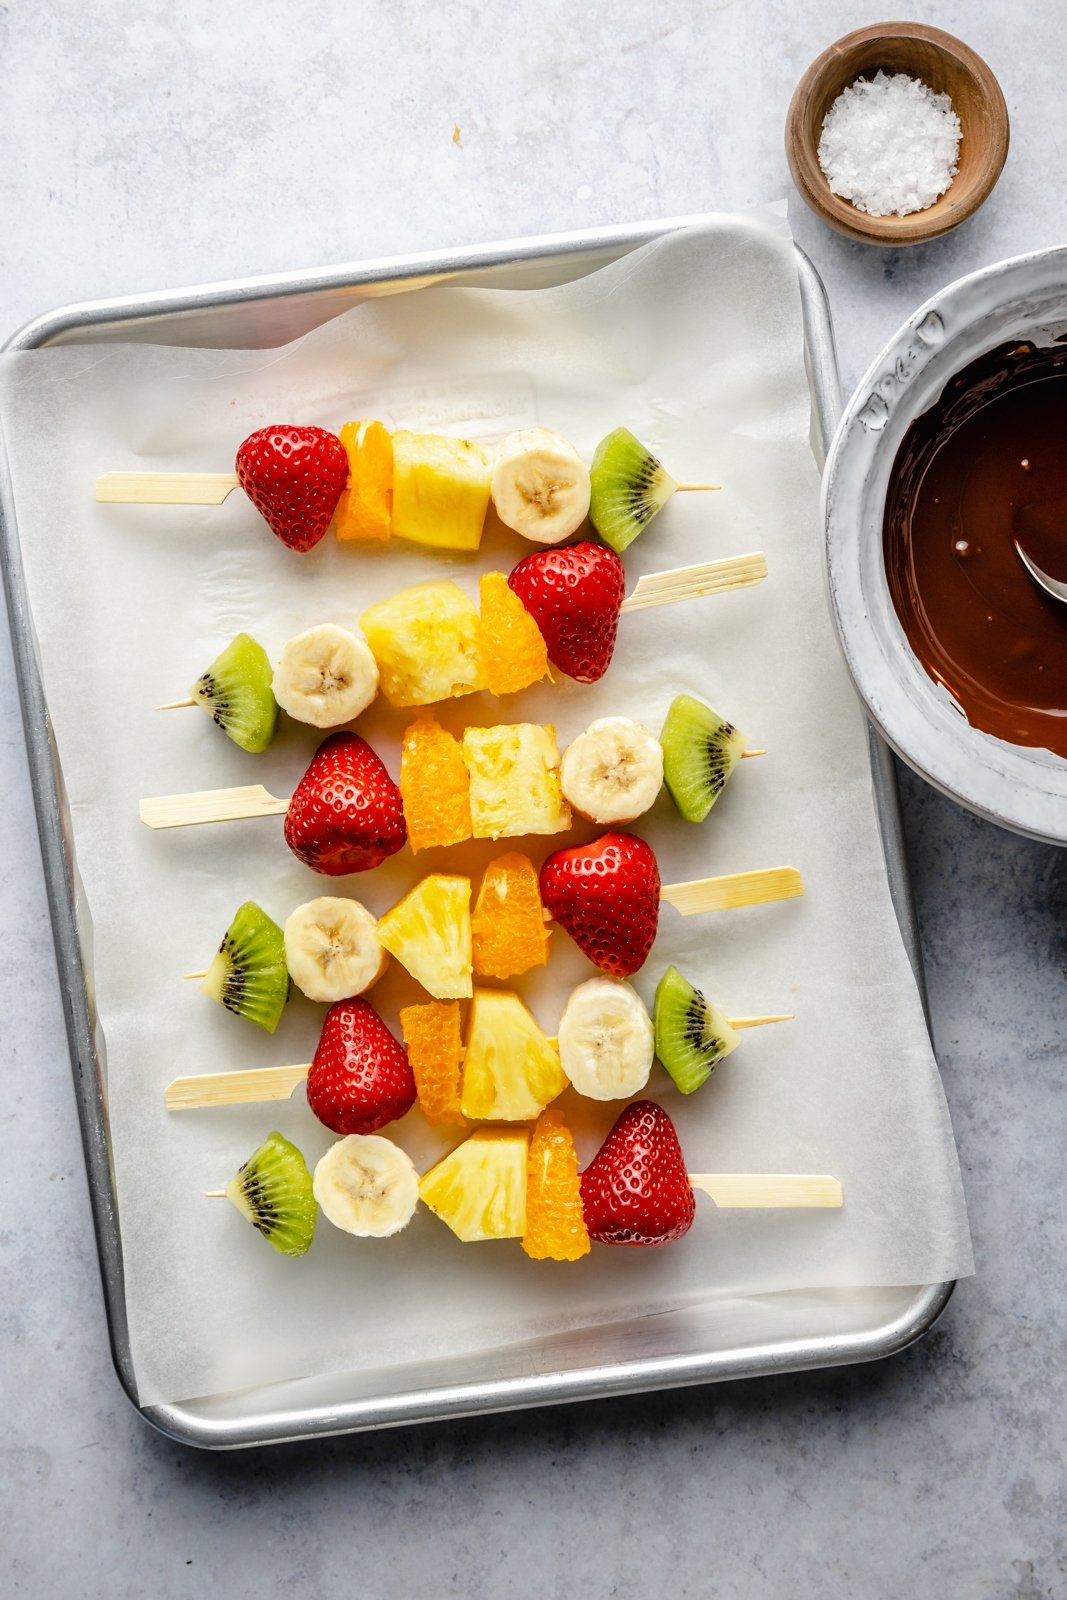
(180,1420)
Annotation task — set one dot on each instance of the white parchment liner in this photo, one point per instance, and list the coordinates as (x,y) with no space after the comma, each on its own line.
(695,342)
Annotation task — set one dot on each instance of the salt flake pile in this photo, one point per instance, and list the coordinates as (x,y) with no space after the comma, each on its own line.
(890,145)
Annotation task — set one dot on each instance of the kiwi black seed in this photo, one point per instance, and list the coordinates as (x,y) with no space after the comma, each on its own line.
(236,693)
(249,975)
(273,1190)
(692,1035)
(627,487)
(700,751)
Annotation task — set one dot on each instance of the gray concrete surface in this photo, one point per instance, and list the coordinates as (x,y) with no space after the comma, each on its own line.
(157,145)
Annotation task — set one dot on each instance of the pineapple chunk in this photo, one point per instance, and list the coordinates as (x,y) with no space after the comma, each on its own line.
(510,1069)
(429,933)
(515,781)
(480,1189)
(440,490)
(425,639)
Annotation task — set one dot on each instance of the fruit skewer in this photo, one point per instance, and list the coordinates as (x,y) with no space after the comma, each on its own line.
(502,781)
(501,1068)
(748,1191)
(261,1085)
(333,948)
(509,1183)
(432,489)
(428,643)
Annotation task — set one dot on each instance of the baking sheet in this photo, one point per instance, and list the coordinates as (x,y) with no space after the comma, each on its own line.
(696,342)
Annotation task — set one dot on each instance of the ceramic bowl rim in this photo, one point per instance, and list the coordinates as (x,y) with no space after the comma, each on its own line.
(1018,788)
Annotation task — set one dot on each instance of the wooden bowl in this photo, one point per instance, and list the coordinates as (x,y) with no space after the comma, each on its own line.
(944,65)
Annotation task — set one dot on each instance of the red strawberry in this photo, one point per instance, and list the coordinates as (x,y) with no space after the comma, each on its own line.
(294,477)
(574,594)
(606,895)
(360,1078)
(346,814)
(636,1189)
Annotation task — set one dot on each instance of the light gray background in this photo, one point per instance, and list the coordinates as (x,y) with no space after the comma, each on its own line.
(149,145)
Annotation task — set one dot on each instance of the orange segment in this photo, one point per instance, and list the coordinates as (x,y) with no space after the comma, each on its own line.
(513,652)
(365,509)
(508,922)
(555,1226)
(432,1038)
(435,786)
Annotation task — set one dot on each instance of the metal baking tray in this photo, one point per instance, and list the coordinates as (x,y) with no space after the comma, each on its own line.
(731,1339)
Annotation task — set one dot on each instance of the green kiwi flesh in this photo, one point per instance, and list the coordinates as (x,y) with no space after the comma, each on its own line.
(627,487)
(249,975)
(273,1191)
(692,1035)
(236,692)
(700,751)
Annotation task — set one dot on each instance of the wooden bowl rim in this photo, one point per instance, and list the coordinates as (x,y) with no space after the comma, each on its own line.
(946,213)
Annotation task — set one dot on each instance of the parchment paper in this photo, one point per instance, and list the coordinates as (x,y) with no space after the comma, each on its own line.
(695,343)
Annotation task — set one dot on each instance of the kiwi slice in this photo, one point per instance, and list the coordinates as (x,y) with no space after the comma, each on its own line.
(249,975)
(692,1035)
(273,1191)
(236,692)
(627,487)
(700,751)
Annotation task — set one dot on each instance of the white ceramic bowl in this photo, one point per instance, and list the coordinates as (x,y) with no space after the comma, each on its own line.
(1023,298)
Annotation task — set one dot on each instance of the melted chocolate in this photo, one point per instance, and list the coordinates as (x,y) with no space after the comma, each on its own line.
(985,466)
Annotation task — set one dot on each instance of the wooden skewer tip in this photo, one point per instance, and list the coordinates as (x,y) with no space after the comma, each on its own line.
(761,1022)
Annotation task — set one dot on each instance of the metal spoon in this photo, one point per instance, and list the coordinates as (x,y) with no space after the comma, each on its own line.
(1051,586)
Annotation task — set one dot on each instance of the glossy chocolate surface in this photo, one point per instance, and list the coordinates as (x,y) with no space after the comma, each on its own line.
(985,466)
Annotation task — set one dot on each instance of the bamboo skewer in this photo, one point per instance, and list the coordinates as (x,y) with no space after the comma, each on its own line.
(733,890)
(748,1190)
(689,583)
(253,800)
(211,805)
(200,488)
(178,705)
(251,1086)
(165,488)
(258,1085)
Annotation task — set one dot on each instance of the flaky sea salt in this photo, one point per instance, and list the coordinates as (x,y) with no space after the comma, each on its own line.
(890,145)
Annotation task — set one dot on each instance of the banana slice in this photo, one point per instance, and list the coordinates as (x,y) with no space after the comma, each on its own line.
(332,949)
(613,771)
(367,1185)
(606,1040)
(326,676)
(540,485)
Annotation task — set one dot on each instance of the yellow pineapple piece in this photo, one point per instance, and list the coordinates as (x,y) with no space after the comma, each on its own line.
(515,786)
(510,1069)
(440,490)
(429,933)
(425,639)
(480,1189)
